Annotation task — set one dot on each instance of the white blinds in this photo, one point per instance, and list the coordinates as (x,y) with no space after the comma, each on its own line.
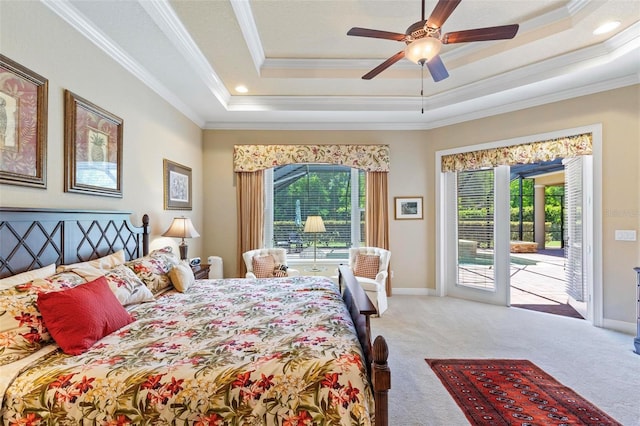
(575,223)
(475,209)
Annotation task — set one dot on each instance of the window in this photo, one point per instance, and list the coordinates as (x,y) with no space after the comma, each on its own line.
(334,192)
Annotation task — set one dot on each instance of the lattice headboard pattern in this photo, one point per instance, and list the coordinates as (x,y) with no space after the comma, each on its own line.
(33,238)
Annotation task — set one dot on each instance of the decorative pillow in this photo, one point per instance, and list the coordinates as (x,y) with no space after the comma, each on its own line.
(367,266)
(105,263)
(127,287)
(280,270)
(154,268)
(182,276)
(263,266)
(22,331)
(61,280)
(94,303)
(27,276)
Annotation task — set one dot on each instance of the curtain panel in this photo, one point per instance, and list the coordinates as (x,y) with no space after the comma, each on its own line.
(527,153)
(250,206)
(377,215)
(370,158)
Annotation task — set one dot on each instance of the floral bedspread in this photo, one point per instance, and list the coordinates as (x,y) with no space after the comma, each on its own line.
(226,352)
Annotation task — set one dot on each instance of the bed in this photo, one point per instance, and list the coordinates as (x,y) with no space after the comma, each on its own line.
(235,351)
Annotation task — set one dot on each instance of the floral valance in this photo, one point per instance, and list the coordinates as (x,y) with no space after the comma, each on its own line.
(250,158)
(527,153)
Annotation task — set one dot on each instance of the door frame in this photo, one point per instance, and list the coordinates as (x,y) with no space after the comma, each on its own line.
(444,251)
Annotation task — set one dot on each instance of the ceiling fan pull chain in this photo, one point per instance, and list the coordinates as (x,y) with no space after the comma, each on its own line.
(422,85)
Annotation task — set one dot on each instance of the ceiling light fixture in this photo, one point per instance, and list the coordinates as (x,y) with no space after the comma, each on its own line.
(422,50)
(241,89)
(606,27)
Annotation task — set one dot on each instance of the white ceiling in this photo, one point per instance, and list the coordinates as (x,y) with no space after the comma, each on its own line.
(303,71)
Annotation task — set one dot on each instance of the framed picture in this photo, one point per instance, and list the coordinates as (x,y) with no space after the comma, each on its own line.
(408,207)
(23,125)
(92,148)
(177,186)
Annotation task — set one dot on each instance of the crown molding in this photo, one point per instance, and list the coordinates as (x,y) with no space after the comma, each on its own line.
(244,16)
(478,110)
(165,17)
(65,10)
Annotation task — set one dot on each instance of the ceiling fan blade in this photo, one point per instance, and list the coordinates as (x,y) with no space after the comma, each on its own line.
(481,34)
(366,32)
(383,66)
(441,12)
(437,69)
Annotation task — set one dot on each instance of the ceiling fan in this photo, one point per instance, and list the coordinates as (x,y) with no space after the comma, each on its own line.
(424,39)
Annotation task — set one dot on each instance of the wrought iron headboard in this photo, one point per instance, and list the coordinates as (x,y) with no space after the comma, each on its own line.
(32,238)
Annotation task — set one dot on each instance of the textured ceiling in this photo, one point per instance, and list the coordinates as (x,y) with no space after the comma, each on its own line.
(303,71)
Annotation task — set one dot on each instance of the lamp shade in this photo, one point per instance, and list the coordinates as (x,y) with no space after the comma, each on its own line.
(314,224)
(181,227)
(422,49)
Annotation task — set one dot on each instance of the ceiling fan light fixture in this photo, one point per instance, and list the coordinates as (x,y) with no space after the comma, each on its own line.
(422,49)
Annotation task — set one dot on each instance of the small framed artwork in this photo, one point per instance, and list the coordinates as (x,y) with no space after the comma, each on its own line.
(408,207)
(177,186)
(23,125)
(92,148)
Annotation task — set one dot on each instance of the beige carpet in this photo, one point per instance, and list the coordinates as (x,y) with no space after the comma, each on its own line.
(598,364)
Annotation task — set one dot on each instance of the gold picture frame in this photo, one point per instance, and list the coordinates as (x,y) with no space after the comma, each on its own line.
(177,186)
(407,208)
(23,125)
(92,148)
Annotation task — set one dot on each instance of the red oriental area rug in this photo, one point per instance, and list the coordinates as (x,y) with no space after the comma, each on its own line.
(513,392)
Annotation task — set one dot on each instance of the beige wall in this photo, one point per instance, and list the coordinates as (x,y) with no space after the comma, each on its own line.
(412,173)
(35,37)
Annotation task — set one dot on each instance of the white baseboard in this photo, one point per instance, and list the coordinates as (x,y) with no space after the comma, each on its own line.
(621,326)
(414,291)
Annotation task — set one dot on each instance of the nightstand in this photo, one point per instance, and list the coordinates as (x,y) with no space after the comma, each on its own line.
(201,272)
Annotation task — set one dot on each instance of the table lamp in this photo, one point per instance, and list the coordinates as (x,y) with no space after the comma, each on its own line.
(314,224)
(181,227)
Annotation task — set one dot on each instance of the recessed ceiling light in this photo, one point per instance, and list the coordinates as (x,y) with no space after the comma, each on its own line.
(606,27)
(241,89)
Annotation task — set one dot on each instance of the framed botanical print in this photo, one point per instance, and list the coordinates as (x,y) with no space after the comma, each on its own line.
(408,207)
(93,148)
(177,186)
(23,125)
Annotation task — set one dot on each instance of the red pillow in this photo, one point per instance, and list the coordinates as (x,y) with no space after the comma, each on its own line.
(80,316)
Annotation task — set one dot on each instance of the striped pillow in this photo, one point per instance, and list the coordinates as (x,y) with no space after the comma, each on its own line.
(367,266)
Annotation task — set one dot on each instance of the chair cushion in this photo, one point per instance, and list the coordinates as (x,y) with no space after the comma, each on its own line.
(263,266)
(367,265)
(368,284)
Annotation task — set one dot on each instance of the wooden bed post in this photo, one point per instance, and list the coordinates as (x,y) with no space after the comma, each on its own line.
(145,235)
(381,380)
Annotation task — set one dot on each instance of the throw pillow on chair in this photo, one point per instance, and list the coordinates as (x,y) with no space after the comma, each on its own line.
(367,266)
(263,266)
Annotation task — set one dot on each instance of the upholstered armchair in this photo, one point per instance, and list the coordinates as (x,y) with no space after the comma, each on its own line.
(370,266)
(261,263)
